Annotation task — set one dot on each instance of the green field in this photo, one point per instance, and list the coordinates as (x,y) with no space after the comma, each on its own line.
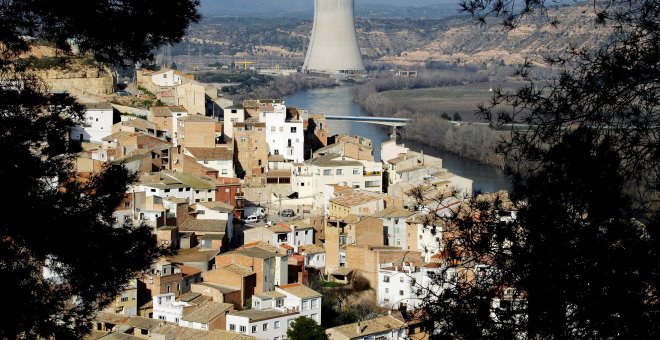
(450,99)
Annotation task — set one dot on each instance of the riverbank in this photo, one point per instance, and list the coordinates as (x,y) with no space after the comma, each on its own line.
(430,103)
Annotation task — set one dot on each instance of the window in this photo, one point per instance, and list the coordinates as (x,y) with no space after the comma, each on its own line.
(127,204)
(178,286)
(387,290)
(293,129)
(153,190)
(279,302)
(180,189)
(272,128)
(315,303)
(356,171)
(169,288)
(327,172)
(224,172)
(315,317)
(124,298)
(167,190)
(254,329)
(232,327)
(243,139)
(386,278)
(401,293)
(161,317)
(277,324)
(265,326)
(340,172)
(401,279)
(206,162)
(281,129)
(305,305)
(243,329)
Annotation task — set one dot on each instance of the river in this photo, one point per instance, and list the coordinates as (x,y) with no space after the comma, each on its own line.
(339,101)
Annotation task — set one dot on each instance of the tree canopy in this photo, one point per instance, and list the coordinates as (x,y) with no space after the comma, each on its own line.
(304,328)
(63,255)
(579,260)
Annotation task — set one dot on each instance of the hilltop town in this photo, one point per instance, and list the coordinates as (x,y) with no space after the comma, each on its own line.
(269,213)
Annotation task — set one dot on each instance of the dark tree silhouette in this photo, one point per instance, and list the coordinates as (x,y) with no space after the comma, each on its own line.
(304,328)
(580,259)
(62,258)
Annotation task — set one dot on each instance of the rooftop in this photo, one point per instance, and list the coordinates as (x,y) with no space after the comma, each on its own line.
(333,159)
(300,291)
(170,331)
(143,323)
(98,106)
(194,255)
(259,314)
(368,327)
(207,312)
(238,269)
(310,249)
(214,226)
(394,212)
(197,118)
(221,288)
(352,199)
(211,154)
(218,206)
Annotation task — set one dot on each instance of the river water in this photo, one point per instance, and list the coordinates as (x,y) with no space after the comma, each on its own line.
(339,101)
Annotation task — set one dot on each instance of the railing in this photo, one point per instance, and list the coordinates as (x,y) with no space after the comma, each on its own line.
(372,173)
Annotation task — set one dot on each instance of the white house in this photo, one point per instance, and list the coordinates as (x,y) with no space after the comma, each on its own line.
(167,77)
(284,131)
(190,310)
(217,211)
(427,238)
(403,284)
(233,114)
(161,189)
(167,308)
(394,225)
(310,179)
(98,121)
(273,312)
(220,159)
(314,255)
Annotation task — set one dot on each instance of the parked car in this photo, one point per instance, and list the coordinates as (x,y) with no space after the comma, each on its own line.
(122,93)
(252,219)
(287,213)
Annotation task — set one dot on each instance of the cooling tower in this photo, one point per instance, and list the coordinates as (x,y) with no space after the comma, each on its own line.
(333,47)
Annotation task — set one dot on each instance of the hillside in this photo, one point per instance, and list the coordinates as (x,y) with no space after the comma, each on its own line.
(406,41)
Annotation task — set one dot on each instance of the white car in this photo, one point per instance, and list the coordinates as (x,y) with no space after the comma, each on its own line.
(252,219)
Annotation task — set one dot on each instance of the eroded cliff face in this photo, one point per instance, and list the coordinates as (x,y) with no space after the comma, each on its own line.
(86,80)
(70,73)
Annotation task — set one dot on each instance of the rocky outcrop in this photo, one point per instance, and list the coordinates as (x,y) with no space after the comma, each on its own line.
(85,79)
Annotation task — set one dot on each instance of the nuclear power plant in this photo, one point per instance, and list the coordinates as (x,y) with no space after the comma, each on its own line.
(333,46)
